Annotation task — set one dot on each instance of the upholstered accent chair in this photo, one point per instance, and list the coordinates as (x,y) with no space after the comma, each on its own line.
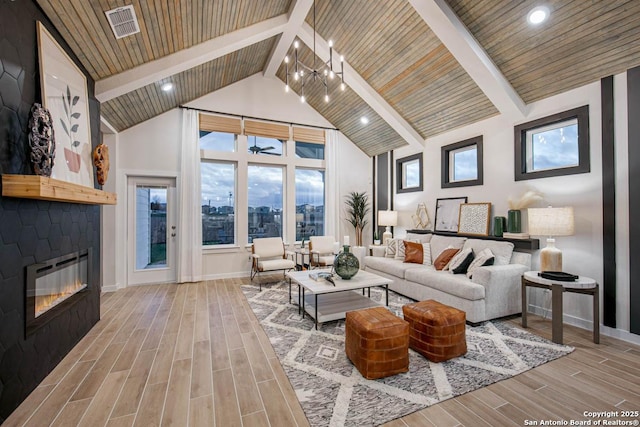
(322,251)
(269,254)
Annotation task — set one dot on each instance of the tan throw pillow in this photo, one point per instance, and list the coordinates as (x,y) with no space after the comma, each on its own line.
(413,252)
(426,252)
(444,258)
(484,257)
(400,250)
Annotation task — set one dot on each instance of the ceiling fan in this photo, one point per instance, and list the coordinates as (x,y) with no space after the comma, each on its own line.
(261,150)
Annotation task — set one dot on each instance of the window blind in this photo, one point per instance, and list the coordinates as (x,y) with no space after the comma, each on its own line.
(220,124)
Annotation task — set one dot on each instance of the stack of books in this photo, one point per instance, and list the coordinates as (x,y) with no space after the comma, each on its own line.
(515,235)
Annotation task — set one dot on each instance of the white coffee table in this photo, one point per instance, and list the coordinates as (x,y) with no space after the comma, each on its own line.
(325,302)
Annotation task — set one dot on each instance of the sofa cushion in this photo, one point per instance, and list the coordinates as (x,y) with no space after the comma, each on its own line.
(422,238)
(460,263)
(390,266)
(501,250)
(392,248)
(440,243)
(485,257)
(413,252)
(400,249)
(454,284)
(444,258)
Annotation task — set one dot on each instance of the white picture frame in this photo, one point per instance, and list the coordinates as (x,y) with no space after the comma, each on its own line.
(64,94)
(448,214)
(474,219)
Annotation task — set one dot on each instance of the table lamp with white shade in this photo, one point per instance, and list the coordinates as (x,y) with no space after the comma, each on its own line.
(551,222)
(387,219)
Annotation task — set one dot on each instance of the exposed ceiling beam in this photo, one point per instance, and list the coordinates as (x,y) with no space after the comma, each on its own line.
(106,127)
(298,13)
(452,32)
(360,86)
(183,60)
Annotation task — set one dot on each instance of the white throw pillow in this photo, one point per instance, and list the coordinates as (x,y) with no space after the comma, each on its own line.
(484,257)
(392,248)
(426,252)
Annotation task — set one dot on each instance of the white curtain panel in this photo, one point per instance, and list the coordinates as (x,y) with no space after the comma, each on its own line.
(189,220)
(332,208)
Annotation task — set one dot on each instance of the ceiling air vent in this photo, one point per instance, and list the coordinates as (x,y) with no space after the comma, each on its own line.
(123,21)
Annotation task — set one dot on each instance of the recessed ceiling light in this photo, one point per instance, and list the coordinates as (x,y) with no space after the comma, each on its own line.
(167,86)
(364,120)
(538,15)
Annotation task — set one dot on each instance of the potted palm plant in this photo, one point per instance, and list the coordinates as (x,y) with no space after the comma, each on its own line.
(357,211)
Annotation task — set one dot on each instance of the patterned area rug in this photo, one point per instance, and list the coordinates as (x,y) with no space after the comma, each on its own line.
(333,393)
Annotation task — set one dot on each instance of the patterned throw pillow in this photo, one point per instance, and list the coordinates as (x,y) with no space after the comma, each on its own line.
(444,258)
(413,252)
(426,252)
(485,257)
(392,248)
(460,263)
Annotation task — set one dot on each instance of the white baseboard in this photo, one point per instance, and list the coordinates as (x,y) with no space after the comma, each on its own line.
(110,288)
(226,275)
(588,325)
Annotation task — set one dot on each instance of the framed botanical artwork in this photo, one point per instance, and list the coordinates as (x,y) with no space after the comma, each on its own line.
(447,214)
(474,218)
(64,94)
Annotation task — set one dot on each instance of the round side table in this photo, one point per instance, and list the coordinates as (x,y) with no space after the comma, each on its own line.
(583,285)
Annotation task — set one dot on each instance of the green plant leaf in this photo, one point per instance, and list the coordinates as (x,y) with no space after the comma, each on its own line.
(75,115)
(64,126)
(74,128)
(75,143)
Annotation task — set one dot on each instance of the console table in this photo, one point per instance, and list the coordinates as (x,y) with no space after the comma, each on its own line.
(584,285)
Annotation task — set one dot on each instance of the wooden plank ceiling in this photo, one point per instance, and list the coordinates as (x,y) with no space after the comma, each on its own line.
(581,42)
(386,42)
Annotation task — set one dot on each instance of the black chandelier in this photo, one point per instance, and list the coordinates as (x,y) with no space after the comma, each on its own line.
(323,73)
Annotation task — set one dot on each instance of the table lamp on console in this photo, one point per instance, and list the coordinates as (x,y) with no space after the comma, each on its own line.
(551,222)
(387,219)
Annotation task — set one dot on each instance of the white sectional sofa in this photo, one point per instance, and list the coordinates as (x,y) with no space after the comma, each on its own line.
(492,291)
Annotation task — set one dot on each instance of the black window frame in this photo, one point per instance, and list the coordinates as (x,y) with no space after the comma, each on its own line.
(445,168)
(399,169)
(520,139)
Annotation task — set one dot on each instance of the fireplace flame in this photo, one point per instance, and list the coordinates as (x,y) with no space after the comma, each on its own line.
(47,302)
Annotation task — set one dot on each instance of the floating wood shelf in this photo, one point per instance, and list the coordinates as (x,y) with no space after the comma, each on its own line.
(44,188)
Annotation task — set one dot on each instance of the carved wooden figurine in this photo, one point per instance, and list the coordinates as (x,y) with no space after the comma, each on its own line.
(41,140)
(101,162)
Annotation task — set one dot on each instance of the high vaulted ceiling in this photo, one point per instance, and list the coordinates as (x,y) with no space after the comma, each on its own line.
(415,68)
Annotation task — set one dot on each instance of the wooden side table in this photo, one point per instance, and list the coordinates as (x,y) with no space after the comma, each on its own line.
(584,285)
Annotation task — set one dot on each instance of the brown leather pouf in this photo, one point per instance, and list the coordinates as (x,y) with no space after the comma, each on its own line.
(436,331)
(377,342)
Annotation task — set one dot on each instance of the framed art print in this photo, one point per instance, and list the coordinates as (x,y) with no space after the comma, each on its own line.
(64,94)
(447,214)
(474,218)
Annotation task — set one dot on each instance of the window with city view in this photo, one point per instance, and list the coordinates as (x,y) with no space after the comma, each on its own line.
(218,184)
(265,201)
(266,166)
(309,203)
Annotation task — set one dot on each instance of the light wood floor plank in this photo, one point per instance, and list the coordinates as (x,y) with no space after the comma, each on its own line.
(225,399)
(102,404)
(201,411)
(248,395)
(194,354)
(176,405)
(131,395)
(275,404)
(151,407)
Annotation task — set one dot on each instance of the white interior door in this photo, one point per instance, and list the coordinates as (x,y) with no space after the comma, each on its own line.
(151,230)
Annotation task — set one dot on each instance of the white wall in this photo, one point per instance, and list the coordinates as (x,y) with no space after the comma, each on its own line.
(152,148)
(582,252)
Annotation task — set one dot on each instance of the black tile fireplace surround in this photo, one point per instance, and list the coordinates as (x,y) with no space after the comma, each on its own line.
(33,231)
